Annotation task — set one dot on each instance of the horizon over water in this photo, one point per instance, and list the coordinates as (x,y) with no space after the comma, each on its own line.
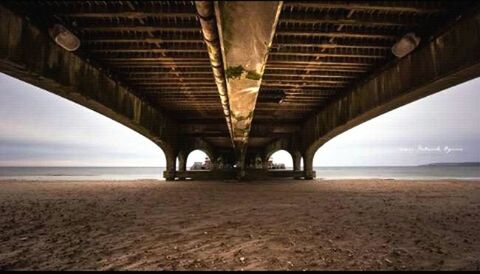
(331,173)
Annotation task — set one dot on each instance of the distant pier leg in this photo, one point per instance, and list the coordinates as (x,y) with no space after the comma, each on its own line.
(182,164)
(308,167)
(169,173)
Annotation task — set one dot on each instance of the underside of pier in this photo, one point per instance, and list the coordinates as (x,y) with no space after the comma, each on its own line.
(241,80)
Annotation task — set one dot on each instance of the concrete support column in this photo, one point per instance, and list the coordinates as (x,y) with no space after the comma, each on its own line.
(169,173)
(297,157)
(265,163)
(182,163)
(258,162)
(241,164)
(296,161)
(308,167)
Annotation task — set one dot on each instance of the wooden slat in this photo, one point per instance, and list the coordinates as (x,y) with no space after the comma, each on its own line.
(304,19)
(116,50)
(127,14)
(325,68)
(179,89)
(139,65)
(303,85)
(309,81)
(283,75)
(368,6)
(162,79)
(156,59)
(327,55)
(339,63)
(172,83)
(162,73)
(121,28)
(336,34)
(140,39)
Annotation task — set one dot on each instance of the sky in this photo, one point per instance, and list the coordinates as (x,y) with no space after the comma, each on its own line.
(39,128)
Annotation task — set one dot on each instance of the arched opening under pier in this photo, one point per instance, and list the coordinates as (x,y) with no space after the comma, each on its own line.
(42,129)
(440,128)
(280,160)
(198,160)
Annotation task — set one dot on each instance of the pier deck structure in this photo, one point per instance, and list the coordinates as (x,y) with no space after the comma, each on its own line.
(241,80)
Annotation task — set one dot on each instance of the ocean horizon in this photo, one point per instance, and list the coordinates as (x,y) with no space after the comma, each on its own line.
(423,172)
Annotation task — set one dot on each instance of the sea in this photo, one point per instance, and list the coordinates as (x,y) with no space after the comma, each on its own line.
(156,173)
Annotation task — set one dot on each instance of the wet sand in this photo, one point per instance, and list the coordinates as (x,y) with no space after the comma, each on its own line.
(312,225)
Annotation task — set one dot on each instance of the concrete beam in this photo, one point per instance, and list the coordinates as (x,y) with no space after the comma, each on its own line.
(289,143)
(29,54)
(257,129)
(451,58)
(190,144)
(246,32)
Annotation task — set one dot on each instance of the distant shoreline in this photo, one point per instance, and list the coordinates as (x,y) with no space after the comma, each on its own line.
(423,165)
(454,164)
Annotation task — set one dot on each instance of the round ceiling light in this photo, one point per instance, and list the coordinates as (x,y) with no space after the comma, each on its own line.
(64,38)
(405,45)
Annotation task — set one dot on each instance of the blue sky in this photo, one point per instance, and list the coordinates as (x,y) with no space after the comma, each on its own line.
(39,128)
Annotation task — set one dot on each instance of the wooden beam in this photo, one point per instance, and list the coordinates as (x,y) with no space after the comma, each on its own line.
(139,65)
(176,89)
(155,59)
(181,73)
(196,95)
(328,46)
(122,39)
(194,85)
(306,91)
(325,19)
(367,6)
(163,79)
(134,50)
(302,68)
(155,82)
(320,63)
(140,28)
(266,84)
(284,75)
(328,55)
(126,14)
(309,81)
(336,34)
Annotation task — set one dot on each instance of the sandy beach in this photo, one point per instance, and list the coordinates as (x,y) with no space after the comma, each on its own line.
(297,225)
